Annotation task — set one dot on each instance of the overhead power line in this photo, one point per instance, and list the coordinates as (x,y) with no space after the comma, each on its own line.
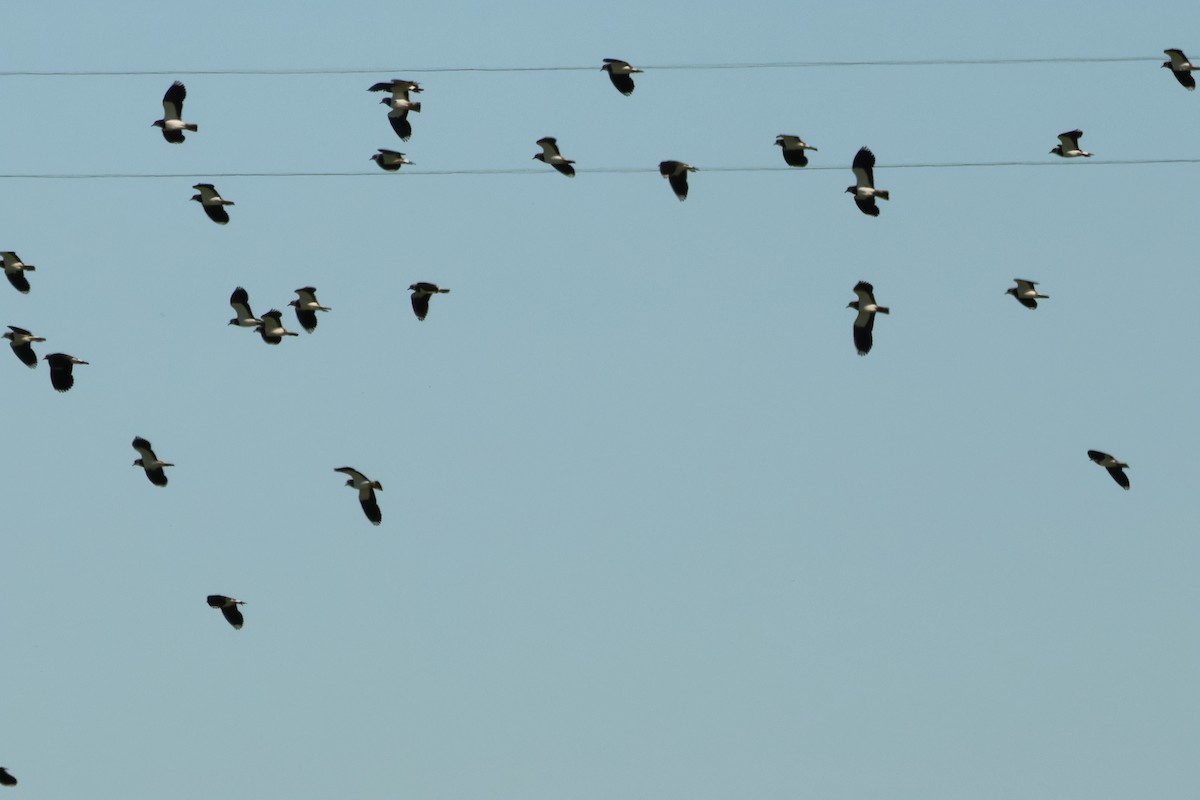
(916,62)
(416,172)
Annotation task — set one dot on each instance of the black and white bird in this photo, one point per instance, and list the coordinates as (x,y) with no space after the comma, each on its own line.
(620,73)
(307,307)
(1181,68)
(151,463)
(229,608)
(271,327)
(421,292)
(1115,468)
(61,365)
(550,155)
(15,269)
(399,104)
(240,300)
(1025,293)
(172,123)
(214,204)
(1069,147)
(864,190)
(864,323)
(6,778)
(390,160)
(366,492)
(21,342)
(793,150)
(676,173)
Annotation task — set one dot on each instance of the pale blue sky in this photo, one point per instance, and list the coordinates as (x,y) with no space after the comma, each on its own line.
(651,528)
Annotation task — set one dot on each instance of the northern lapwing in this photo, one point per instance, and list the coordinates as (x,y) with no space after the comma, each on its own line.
(550,155)
(61,365)
(213,203)
(240,300)
(864,190)
(793,149)
(15,269)
(864,323)
(21,342)
(1025,293)
(1115,468)
(1181,68)
(172,123)
(676,173)
(307,307)
(421,292)
(1069,147)
(390,160)
(271,328)
(151,463)
(620,73)
(229,609)
(399,104)
(366,492)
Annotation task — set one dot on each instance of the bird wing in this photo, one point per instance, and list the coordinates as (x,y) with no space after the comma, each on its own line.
(25,352)
(549,147)
(157,476)
(420,304)
(1178,59)
(353,473)
(370,507)
(233,615)
(865,292)
(240,300)
(864,168)
(144,449)
(18,280)
(216,213)
(400,123)
(867,205)
(1120,477)
(218,600)
(173,103)
(306,318)
(862,333)
(1070,139)
(622,82)
(795,157)
(1185,79)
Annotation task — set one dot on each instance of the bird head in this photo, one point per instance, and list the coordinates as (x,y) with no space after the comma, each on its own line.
(137,462)
(852,304)
(1011,290)
(197,198)
(852,189)
(294,303)
(350,481)
(540,157)
(1167,64)
(158,123)
(1056,150)
(412,288)
(387,101)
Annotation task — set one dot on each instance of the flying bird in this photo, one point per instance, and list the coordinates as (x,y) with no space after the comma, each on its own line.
(6,778)
(551,155)
(864,323)
(15,269)
(793,150)
(214,204)
(421,292)
(150,462)
(390,160)
(621,74)
(366,492)
(229,608)
(1025,293)
(21,342)
(271,327)
(245,318)
(1070,145)
(1181,68)
(399,104)
(676,173)
(172,123)
(61,365)
(307,307)
(1115,468)
(864,190)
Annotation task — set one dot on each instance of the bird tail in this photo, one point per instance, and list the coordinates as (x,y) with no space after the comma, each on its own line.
(289,333)
(38,339)
(883,194)
(444,291)
(882,310)
(191,127)
(29,268)
(415,107)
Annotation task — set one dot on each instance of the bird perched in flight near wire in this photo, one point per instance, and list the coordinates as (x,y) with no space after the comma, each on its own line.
(229,608)
(551,155)
(21,342)
(390,160)
(676,173)
(366,492)
(1181,68)
(621,74)
(793,148)
(1069,145)
(864,323)
(213,203)
(864,190)
(172,123)
(399,104)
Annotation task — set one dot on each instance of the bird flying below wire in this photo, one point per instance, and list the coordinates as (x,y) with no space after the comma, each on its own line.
(1181,68)
(551,155)
(213,203)
(399,103)
(864,323)
(864,190)
(172,123)
(793,148)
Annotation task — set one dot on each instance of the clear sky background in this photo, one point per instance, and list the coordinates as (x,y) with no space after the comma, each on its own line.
(651,528)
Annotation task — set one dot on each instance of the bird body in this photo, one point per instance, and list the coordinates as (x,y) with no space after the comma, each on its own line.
(390,160)
(793,148)
(366,492)
(229,609)
(1026,294)
(271,327)
(240,300)
(61,366)
(864,323)
(15,269)
(213,203)
(21,340)
(1115,468)
(421,292)
(1181,68)
(676,173)
(172,123)
(864,190)
(151,463)
(1069,147)
(551,155)
(307,307)
(620,73)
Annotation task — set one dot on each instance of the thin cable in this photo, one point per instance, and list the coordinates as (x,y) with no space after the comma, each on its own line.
(918,62)
(596,170)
